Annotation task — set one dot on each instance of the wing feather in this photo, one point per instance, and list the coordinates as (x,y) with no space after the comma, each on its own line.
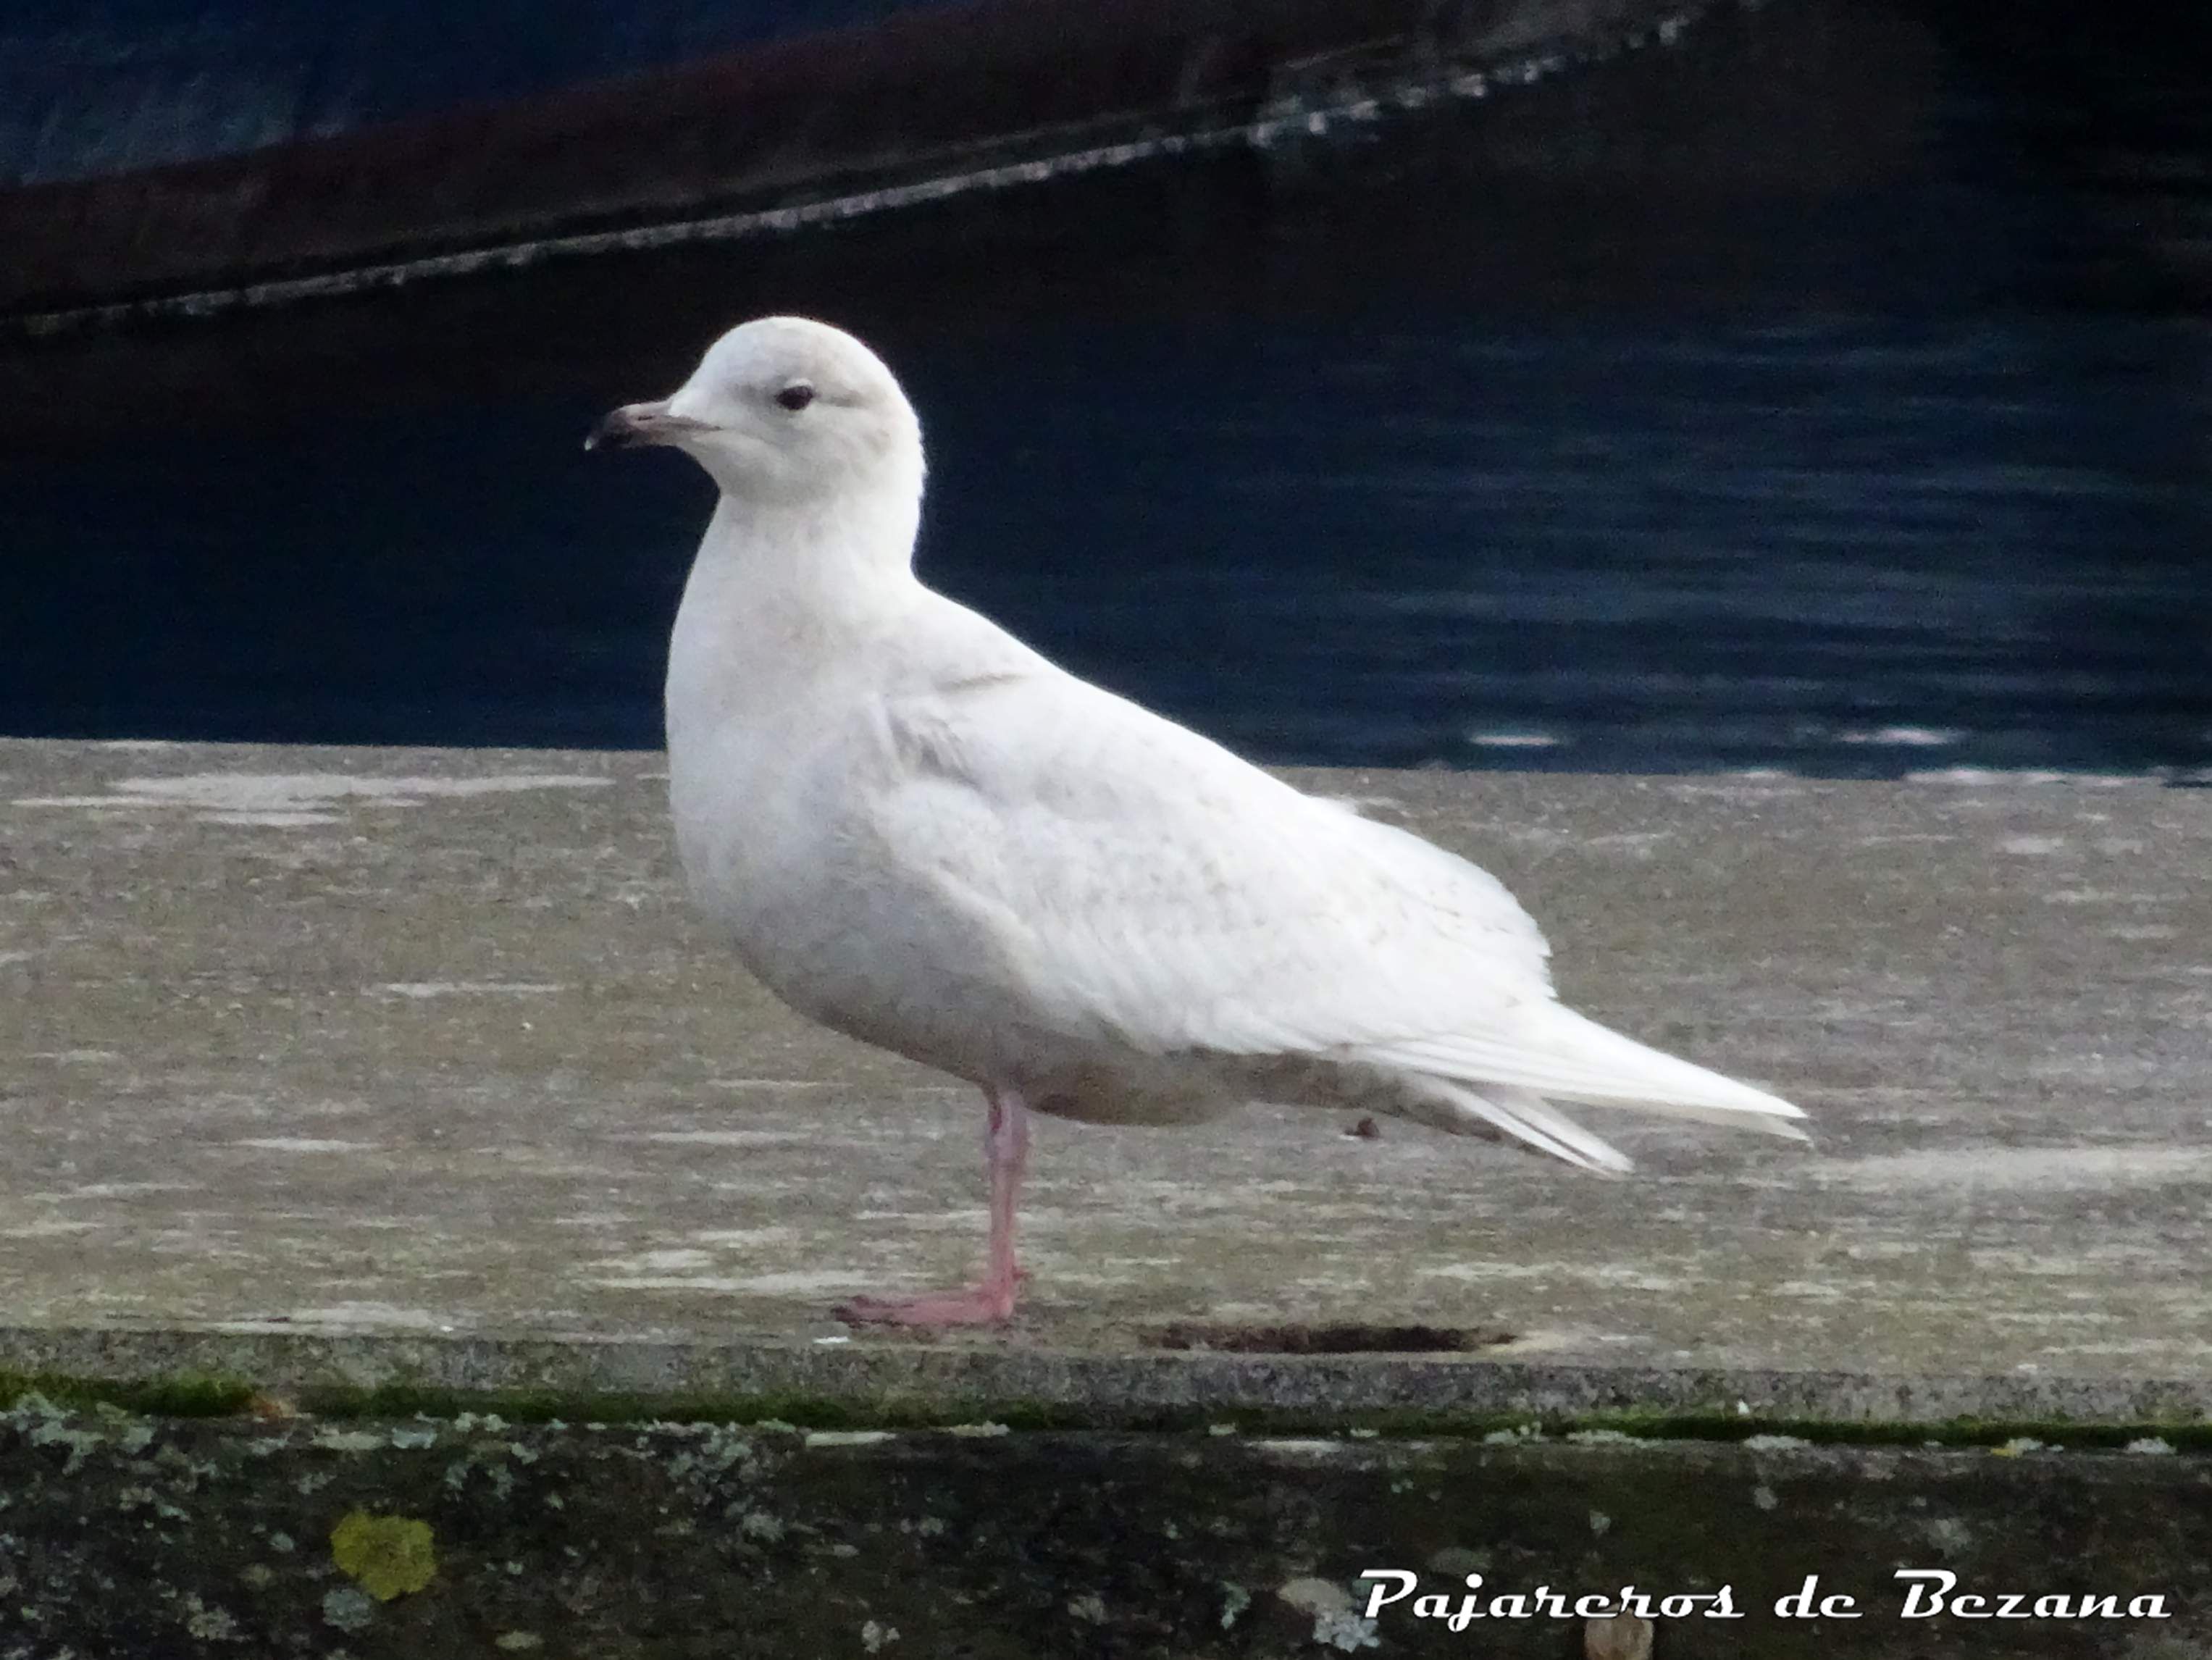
(1139,884)
(1152,884)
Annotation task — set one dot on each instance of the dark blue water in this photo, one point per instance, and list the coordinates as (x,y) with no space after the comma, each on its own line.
(1849,543)
(1864,436)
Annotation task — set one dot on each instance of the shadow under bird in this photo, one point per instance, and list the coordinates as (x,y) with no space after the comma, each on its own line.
(920,832)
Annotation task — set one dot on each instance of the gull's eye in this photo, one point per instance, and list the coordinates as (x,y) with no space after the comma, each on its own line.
(796,396)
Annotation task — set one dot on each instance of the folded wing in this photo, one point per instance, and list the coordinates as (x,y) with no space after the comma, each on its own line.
(1148,888)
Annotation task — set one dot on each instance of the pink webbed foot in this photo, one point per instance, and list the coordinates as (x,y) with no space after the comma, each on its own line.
(979,1306)
(1006,1150)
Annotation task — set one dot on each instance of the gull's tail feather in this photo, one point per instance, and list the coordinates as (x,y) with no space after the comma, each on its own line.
(1525,1118)
(1568,1057)
(1486,1085)
(1666,1085)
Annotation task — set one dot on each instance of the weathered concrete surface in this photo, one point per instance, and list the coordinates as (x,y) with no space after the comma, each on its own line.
(414,1043)
(474,1537)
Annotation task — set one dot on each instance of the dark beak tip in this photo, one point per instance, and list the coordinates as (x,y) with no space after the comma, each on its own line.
(615,431)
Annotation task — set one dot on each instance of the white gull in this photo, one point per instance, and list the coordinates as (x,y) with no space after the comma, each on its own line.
(921,833)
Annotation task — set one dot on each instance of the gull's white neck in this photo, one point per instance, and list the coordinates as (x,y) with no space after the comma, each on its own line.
(783,591)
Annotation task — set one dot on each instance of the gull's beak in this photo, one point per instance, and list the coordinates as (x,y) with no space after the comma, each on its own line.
(636,424)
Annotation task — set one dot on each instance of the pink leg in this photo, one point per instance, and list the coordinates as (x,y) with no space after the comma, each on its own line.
(1006,1153)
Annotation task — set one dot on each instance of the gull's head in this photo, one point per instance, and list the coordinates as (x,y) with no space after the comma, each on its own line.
(783,409)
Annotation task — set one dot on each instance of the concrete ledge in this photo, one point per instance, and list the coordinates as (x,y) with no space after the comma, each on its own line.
(426,1044)
(865,1384)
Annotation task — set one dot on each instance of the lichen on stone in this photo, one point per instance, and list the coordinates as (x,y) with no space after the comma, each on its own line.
(1345,1631)
(1311,1595)
(387,1556)
(1235,1599)
(348,1610)
(209,1625)
(759,1524)
(845,1437)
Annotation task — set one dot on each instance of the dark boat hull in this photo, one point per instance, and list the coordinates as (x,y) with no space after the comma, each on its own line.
(923,94)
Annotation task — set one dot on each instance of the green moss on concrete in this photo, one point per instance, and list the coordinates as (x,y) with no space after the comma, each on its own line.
(181,1396)
(793,1411)
(186,1396)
